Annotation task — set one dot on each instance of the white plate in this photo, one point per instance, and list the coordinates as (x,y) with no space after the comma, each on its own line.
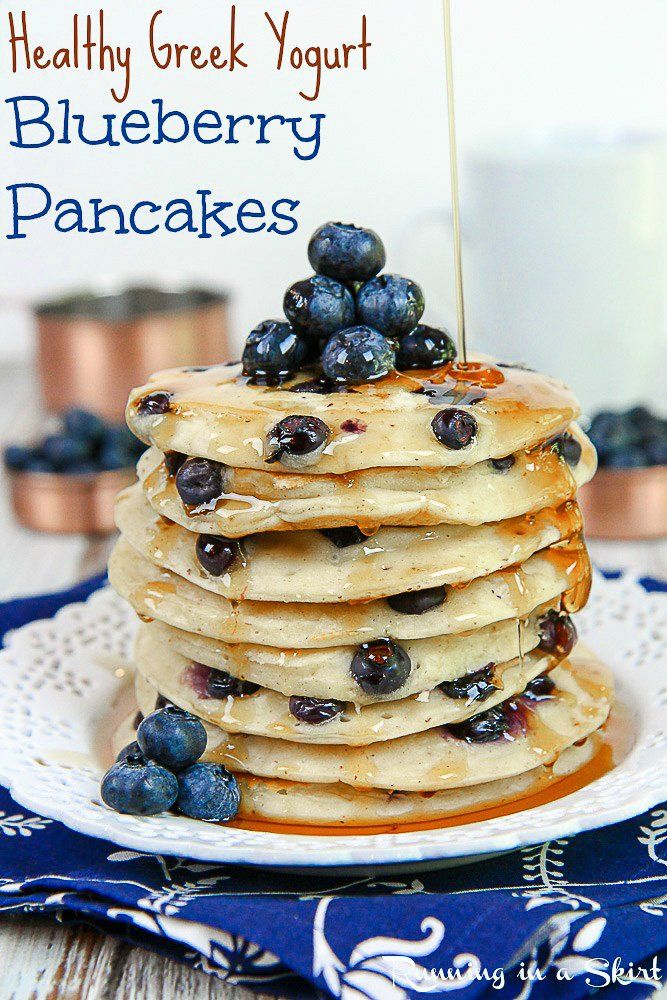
(59,677)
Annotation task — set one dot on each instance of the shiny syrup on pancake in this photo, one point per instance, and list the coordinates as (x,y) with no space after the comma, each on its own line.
(604,760)
(615,741)
(512,388)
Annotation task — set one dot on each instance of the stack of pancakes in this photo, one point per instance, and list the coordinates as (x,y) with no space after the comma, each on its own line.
(377,632)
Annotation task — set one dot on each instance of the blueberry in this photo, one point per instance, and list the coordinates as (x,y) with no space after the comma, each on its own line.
(172,737)
(503,464)
(297,440)
(354,425)
(417,602)
(477,686)
(639,415)
(485,727)
(154,403)
(346,252)
(656,452)
(173,460)
(358,354)
(273,352)
(653,429)
(63,450)
(380,667)
(566,447)
(131,750)
(84,424)
(315,711)
(209,792)
(319,306)
(342,538)
(139,787)
(200,480)
(215,553)
(17,457)
(322,386)
(37,464)
(539,688)
(121,436)
(571,450)
(119,448)
(84,469)
(558,634)
(391,304)
(425,347)
(625,458)
(220,684)
(454,428)
(603,424)
(114,457)
(613,432)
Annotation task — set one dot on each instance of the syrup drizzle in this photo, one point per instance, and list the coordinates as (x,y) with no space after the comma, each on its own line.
(554,788)
(454,177)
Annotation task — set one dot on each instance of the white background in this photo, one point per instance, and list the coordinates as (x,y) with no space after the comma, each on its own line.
(521,65)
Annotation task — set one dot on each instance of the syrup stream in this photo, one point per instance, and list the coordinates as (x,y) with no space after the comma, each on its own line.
(454,175)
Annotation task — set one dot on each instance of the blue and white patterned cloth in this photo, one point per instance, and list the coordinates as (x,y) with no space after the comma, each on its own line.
(567,918)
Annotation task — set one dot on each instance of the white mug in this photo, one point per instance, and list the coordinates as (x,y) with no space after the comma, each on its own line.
(564,260)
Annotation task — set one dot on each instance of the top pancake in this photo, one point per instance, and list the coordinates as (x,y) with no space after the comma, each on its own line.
(218,414)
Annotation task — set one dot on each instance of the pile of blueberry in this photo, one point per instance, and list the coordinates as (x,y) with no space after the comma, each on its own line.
(631,439)
(357,323)
(84,443)
(161,770)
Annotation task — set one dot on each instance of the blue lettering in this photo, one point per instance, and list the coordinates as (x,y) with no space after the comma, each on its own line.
(292,224)
(21,122)
(65,208)
(245,212)
(214,215)
(152,207)
(163,118)
(314,138)
(22,216)
(127,123)
(99,210)
(200,123)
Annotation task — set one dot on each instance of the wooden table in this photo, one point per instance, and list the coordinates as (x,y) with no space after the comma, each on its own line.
(42,959)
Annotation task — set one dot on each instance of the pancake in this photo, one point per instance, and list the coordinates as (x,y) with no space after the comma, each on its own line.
(315,805)
(325,673)
(512,593)
(272,800)
(270,501)
(267,713)
(432,760)
(306,566)
(218,414)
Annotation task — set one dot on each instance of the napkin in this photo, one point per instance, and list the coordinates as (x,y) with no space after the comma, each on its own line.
(566,918)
